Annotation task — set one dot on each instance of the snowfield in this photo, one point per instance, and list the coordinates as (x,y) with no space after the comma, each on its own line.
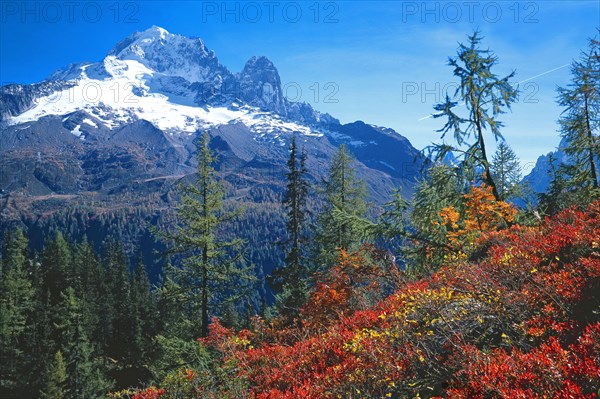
(129,93)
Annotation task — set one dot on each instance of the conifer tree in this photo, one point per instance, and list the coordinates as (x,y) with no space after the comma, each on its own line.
(55,275)
(41,345)
(143,313)
(291,280)
(411,232)
(390,228)
(84,378)
(173,305)
(118,304)
(173,343)
(563,191)
(345,193)
(16,313)
(56,381)
(211,264)
(506,171)
(443,187)
(580,120)
(56,265)
(88,280)
(485,96)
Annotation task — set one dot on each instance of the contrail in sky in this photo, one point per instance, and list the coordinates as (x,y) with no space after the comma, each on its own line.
(543,73)
(523,81)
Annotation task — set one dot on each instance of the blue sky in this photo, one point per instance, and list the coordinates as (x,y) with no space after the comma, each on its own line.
(380,62)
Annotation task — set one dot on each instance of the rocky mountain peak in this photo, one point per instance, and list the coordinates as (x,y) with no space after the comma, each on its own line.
(259,63)
(170,54)
(260,85)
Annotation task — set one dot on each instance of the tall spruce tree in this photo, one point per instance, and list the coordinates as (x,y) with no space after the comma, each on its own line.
(56,267)
(117,302)
(88,279)
(211,265)
(291,280)
(42,348)
(506,171)
(143,305)
(345,193)
(580,120)
(84,375)
(55,386)
(485,96)
(16,313)
(55,279)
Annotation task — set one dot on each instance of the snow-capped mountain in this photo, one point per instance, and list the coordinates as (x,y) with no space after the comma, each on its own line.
(172,81)
(114,137)
(179,86)
(124,127)
(171,55)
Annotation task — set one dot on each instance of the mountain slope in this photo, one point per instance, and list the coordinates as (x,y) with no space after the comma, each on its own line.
(539,179)
(114,137)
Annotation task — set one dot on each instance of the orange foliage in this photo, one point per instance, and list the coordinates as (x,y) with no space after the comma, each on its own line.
(482,215)
(349,285)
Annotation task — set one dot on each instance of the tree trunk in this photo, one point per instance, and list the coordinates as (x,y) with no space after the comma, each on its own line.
(489,180)
(343,228)
(590,137)
(204,297)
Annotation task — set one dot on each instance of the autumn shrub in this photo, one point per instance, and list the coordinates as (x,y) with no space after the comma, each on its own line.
(521,320)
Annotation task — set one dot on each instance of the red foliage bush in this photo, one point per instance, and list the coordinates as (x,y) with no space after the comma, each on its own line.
(549,368)
(149,393)
(522,321)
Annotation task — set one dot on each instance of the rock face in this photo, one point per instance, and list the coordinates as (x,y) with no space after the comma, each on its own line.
(15,99)
(260,85)
(539,179)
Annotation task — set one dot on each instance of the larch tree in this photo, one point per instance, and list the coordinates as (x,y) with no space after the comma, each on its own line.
(580,120)
(211,263)
(485,96)
(344,194)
